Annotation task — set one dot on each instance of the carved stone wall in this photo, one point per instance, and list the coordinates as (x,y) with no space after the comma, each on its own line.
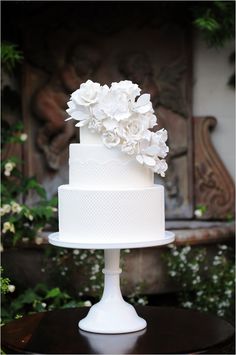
(214,188)
(61,55)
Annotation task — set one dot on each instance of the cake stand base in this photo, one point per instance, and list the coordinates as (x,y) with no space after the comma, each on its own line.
(112,314)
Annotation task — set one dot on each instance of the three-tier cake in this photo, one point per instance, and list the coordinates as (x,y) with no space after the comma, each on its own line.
(111,197)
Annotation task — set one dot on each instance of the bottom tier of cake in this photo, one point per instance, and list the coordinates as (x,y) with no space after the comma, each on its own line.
(118,215)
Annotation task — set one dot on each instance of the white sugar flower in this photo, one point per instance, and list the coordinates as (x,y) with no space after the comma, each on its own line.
(150,119)
(97,108)
(87,94)
(160,167)
(110,124)
(143,104)
(129,147)
(133,130)
(94,125)
(122,118)
(110,139)
(79,113)
(116,105)
(126,86)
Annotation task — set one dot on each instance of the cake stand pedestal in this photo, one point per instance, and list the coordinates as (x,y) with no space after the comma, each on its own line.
(111,315)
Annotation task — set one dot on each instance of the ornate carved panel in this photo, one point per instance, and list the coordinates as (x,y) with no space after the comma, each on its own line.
(65,48)
(214,188)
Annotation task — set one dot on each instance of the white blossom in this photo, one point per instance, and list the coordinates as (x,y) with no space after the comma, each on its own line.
(38,240)
(123,119)
(15,207)
(228,292)
(143,104)
(11,288)
(87,94)
(9,166)
(87,304)
(215,278)
(110,139)
(223,247)
(198,213)
(131,90)
(23,137)
(172,273)
(6,208)
(8,226)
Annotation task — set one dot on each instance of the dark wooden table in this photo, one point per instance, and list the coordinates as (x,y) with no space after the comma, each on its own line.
(169,330)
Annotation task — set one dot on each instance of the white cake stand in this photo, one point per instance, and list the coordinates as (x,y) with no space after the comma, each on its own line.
(111,315)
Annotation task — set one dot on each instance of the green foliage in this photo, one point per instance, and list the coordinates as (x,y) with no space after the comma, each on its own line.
(206,285)
(19,219)
(215,20)
(39,299)
(10,56)
(4,283)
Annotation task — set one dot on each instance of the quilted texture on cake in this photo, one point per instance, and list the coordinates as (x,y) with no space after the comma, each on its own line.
(124,214)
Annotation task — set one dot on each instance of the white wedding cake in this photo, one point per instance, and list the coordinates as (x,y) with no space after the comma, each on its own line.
(111,196)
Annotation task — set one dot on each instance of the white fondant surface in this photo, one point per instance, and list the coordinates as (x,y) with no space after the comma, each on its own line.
(96,166)
(123,215)
(88,137)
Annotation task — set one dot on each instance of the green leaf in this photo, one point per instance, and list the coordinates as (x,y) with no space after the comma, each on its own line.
(10,55)
(55,292)
(32,184)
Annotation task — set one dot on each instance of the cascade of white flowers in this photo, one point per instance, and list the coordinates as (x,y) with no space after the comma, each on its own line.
(123,119)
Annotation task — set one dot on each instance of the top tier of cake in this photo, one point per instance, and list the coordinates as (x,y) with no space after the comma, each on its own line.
(93,165)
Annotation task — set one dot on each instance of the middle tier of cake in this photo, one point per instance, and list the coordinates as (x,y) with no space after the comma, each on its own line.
(96,166)
(111,214)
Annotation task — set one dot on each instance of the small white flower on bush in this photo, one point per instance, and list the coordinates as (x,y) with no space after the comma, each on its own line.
(5,209)
(87,304)
(187,304)
(15,207)
(123,119)
(38,240)
(23,137)
(9,166)
(8,226)
(11,288)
